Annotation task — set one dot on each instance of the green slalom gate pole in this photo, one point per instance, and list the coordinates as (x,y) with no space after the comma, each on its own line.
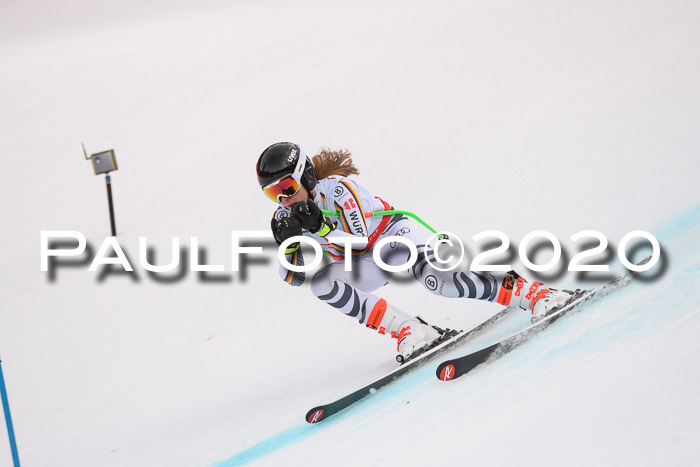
(8,419)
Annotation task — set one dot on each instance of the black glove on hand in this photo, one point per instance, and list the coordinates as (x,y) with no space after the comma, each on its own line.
(285,228)
(311,218)
(308,214)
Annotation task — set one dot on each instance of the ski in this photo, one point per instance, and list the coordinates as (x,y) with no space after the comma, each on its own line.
(452,369)
(322,412)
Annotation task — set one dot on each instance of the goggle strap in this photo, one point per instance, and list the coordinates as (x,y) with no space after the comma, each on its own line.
(301,165)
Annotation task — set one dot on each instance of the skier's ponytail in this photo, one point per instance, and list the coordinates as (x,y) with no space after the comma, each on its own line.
(327,163)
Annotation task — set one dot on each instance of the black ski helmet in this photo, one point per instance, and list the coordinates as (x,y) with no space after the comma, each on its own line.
(281,159)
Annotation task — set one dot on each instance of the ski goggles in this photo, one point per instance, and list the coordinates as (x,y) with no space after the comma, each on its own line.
(284,188)
(287,186)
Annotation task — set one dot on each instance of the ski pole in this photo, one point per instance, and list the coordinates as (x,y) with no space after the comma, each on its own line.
(386,213)
(8,419)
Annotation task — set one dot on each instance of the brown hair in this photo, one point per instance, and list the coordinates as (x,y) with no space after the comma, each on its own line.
(327,163)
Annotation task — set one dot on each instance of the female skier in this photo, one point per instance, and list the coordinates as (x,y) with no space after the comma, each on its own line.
(302,188)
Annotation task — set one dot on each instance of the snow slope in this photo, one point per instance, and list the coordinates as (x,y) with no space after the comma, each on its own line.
(612,384)
(500,115)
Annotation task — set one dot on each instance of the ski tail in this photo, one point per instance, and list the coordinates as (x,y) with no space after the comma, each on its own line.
(452,369)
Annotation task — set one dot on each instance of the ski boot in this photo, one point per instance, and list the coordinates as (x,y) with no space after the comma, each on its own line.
(413,337)
(417,337)
(547,301)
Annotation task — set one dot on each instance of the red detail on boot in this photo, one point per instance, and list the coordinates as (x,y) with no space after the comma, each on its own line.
(404,332)
(540,295)
(375,317)
(315,417)
(519,286)
(447,373)
(533,289)
(506,292)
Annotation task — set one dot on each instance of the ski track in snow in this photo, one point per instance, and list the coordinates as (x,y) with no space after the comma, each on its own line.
(617,325)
